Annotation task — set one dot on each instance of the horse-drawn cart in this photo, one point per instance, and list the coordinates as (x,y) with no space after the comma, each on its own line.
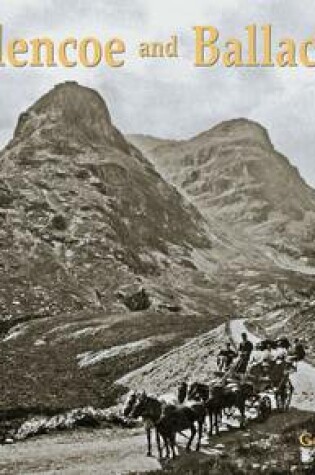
(271,387)
(264,386)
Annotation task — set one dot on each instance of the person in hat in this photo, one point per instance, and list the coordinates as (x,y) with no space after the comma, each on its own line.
(245,350)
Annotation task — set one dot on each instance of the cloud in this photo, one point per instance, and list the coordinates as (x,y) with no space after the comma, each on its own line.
(171,98)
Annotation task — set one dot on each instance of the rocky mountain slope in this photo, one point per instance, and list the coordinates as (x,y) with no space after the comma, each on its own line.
(96,249)
(233,173)
(83,212)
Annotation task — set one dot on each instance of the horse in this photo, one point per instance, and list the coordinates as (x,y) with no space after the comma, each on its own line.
(221,397)
(198,392)
(201,392)
(284,394)
(280,378)
(231,395)
(169,420)
(130,404)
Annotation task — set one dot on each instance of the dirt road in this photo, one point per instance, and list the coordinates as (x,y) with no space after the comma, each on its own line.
(105,452)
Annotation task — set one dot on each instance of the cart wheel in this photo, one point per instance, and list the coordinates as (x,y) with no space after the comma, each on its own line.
(264,408)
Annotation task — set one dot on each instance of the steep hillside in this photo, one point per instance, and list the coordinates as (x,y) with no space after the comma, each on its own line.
(97,250)
(83,213)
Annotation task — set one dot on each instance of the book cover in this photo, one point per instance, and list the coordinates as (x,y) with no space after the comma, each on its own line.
(157,225)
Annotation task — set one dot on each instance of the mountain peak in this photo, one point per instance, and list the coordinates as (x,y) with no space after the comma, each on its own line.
(72,98)
(240,130)
(234,173)
(71,111)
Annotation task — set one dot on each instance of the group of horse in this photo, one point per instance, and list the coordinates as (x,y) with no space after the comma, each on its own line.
(202,400)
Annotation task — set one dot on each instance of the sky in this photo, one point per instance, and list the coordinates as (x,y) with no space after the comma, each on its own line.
(170,97)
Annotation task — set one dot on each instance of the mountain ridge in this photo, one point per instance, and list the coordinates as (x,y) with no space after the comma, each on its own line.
(234,159)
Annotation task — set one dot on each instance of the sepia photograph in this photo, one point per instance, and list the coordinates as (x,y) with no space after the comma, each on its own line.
(157,237)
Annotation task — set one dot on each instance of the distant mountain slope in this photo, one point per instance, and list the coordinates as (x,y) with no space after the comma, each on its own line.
(233,173)
(147,143)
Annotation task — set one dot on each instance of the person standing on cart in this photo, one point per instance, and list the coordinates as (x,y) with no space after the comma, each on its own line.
(245,350)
